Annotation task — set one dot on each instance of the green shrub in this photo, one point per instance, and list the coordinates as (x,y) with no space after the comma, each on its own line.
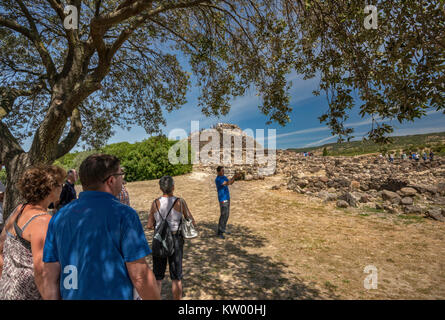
(3,176)
(144,160)
(325,152)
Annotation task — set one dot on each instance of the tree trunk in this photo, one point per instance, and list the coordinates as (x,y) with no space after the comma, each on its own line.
(15,168)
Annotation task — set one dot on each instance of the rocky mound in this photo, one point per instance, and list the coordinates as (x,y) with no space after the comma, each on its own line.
(409,186)
(239,146)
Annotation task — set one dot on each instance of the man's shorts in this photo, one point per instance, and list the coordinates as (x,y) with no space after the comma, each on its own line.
(174,261)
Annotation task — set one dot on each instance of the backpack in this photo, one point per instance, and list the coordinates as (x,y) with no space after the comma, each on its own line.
(163,245)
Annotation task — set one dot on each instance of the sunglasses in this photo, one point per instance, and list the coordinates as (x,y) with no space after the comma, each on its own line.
(114,174)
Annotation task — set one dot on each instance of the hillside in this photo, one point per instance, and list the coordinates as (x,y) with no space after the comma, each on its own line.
(414,143)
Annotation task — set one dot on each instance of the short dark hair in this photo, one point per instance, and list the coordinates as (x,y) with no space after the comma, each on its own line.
(96,168)
(39,181)
(219,168)
(166,184)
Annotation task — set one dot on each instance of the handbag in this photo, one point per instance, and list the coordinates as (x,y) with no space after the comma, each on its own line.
(187,229)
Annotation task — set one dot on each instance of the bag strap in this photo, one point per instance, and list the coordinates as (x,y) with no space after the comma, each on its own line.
(157,208)
(18,231)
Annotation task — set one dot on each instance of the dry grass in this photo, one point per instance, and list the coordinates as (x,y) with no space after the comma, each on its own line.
(287,246)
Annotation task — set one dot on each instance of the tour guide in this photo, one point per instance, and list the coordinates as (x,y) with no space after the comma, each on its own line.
(222,184)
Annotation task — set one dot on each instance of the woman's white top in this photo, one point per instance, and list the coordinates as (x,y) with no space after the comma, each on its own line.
(174,218)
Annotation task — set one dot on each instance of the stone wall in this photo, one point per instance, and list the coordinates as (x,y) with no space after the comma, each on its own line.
(410,187)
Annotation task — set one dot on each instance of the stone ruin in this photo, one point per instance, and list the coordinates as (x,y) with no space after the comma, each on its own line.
(401,187)
(238,144)
(404,186)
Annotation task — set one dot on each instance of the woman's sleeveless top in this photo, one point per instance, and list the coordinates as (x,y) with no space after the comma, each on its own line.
(174,218)
(17,281)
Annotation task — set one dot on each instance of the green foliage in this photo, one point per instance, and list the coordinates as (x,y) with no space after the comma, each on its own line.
(144,160)
(3,176)
(397,70)
(325,152)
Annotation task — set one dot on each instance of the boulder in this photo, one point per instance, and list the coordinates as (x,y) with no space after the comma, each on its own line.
(365,198)
(326,196)
(440,201)
(408,191)
(355,185)
(436,214)
(441,188)
(389,195)
(390,208)
(412,210)
(342,204)
(323,179)
(407,201)
(350,198)
(302,183)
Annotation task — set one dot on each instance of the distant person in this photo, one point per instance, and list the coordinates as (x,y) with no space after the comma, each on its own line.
(68,191)
(222,187)
(22,272)
(172,209)
(425,156)
(417,157)
(431,156)
(404,156)
(99,240)
(124,197)
(391,158)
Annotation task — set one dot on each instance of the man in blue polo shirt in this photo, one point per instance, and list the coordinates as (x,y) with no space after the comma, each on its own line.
(95,247)
(222,183)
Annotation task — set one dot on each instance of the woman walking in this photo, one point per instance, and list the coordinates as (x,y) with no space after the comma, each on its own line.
(23,238)
(159,211)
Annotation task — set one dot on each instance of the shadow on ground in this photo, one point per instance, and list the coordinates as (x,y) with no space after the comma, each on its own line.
(216,268)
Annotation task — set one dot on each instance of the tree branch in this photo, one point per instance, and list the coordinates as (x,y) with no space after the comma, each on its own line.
(73,135)
(33,35)
(9,95)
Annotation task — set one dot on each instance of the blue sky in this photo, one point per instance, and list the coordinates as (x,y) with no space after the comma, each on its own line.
(304,130)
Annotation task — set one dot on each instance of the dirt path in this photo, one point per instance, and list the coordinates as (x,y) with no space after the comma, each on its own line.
(287,246)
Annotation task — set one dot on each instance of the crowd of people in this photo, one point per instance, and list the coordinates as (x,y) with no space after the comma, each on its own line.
(411,156)
(57,245)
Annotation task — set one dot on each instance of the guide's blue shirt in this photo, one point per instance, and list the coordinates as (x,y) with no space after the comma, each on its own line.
(223,191)
(95,236)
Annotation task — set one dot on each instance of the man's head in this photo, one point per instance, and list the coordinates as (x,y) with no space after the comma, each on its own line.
(72,175)
(167,185)
(220,170)
(101,172)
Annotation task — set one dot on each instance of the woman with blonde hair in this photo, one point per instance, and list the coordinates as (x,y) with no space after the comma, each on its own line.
(23,238)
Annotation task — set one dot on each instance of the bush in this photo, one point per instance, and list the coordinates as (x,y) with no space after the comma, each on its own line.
(325,152)
(144,160)
(148,159)
(3,176)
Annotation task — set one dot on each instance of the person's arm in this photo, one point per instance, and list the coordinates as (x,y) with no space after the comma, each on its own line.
(51,265)
(38,230)
(143,279)
(151,217)
(51,281)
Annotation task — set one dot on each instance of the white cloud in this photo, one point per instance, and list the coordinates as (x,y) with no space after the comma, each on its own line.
(321,141)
